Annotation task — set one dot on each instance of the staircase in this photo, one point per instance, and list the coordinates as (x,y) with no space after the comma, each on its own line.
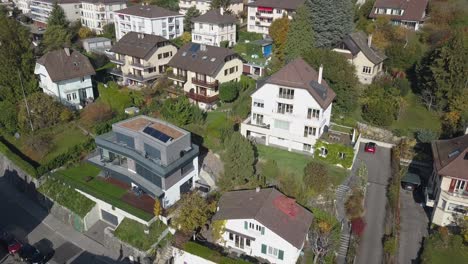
(342,191)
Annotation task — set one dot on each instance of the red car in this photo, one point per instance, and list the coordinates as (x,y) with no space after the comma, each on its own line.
(370,147)
(14,246)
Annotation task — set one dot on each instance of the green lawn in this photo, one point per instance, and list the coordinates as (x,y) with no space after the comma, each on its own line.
(207,253)
(132,232)
(214,121)
(84,177)
(415,115)
(448,255)
(66,197)
(295,162)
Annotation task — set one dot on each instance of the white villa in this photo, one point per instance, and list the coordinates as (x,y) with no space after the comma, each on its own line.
(95,14)
(203,6)
(291,109)
(66,75)
(41,9)
(214,27)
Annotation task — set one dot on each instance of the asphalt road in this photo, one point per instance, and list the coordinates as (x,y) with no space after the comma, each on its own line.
(413,226)
(35,229)
(378,167)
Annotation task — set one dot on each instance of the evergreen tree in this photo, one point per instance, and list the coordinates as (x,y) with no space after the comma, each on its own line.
(56,37)
(332,20)
(238,161)
(279,33)
(17,57)
(192,12)
(168,4)
(300,37)
(57,17)
(217,4)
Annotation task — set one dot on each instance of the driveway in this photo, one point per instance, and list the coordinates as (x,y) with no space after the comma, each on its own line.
(378,167)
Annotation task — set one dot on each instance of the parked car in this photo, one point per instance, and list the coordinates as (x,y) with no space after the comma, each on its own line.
(14,246)
(370,147)
(31,255)
(108,52)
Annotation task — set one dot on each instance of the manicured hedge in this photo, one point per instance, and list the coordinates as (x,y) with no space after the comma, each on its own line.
(209,254)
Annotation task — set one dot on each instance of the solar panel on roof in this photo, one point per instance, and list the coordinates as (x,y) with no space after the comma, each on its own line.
(157,134)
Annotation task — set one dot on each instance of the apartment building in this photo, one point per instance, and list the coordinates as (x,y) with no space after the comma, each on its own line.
(408,13)
(214,27)
(199,69)
(291,109)
(151,155)
(204,6)
(261,13)
(368,60)
(141,58)
(65,74)
(447,190)
(41,9)
(23,5)
(263,223)
(148,19)
(95,14)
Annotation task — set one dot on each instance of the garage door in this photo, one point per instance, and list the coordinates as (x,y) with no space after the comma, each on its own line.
(110,218)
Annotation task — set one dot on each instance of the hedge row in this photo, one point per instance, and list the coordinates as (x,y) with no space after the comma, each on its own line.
(18,161)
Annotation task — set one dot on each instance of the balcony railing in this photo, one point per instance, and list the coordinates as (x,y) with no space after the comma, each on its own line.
(213,85)
(143,65)
(202,98)
(460,194)
(115,60)
(177,77)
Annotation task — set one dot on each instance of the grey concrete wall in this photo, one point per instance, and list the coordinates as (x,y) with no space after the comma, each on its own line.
(92,217)
(119,247)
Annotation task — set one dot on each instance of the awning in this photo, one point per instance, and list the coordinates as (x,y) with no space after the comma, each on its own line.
(264,8)
(411,178)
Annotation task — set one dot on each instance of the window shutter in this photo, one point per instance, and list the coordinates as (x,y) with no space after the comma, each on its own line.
(246,225)
(452,185)
(263,249)
(281,254)
(263,230)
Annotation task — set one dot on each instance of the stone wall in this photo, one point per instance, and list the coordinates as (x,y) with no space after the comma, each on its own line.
(377,133)
(118,246)
(17,177)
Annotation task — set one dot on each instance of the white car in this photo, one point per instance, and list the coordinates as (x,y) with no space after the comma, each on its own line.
(109,52)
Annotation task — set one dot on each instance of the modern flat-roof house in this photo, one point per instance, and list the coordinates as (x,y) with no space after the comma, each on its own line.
(214,27)
(204,6)
(149,19)
(95,14)
(153,156)
(368,60)
(66,75)
(291,109)
(41,9)
(141,58)
(263,223)
(261,13)
(408,13)
(447,190)
(199,70)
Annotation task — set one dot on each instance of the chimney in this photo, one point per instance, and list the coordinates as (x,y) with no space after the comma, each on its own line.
(320,74)
(67,51)
(221,11)
(257,190)
(369,40)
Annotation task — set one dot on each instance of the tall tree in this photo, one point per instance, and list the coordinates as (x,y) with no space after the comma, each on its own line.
(17,57)
(217,4)
(279,33)
(332,20)
(168,4)
(300,38)
(109,31)
(192,12)
(194,212)
(56,37)
(57,17)
(238,160)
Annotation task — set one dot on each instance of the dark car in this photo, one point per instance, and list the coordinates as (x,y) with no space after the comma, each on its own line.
(31,255)
(370,147)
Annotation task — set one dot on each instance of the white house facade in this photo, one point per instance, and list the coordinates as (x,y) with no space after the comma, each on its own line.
(148,19)
(263,223)
(291,110)
(261,13)
(41,9)
(410,13)
(213,28)
(95,14)
(66,75)
(23,5)
(203,6)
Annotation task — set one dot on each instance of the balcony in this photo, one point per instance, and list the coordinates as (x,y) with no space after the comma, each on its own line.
(456,196)
(143,65)
(138,78)
(177,77)
(115,60)
(202,98)
(204,83)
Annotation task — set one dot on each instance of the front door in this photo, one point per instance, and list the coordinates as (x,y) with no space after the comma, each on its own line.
(239,241)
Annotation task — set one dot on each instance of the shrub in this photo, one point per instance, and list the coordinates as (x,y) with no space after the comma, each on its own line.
(250,36)
(66,115)
(354,204)
(224,44)
(8,116)
(95,113)
(85,32)
(104,127)
(357,226)
(316,176)
(426,135)
(403,85)
(228,91)
(390,245)
(378,112)
(44,112)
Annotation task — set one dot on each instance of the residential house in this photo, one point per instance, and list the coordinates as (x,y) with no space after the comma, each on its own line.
(95,14)
(291,109)
(204,6)
(263,223)
(66,75)
(408,13)
(199,69)
(447,190)
(141,58)
(97,45)
(367,59)
(214,27)
(41,9)
(153,156)
(148,19)
(261,13)
(255,64)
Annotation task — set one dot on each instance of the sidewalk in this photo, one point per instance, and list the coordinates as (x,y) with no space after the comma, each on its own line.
(64,231)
